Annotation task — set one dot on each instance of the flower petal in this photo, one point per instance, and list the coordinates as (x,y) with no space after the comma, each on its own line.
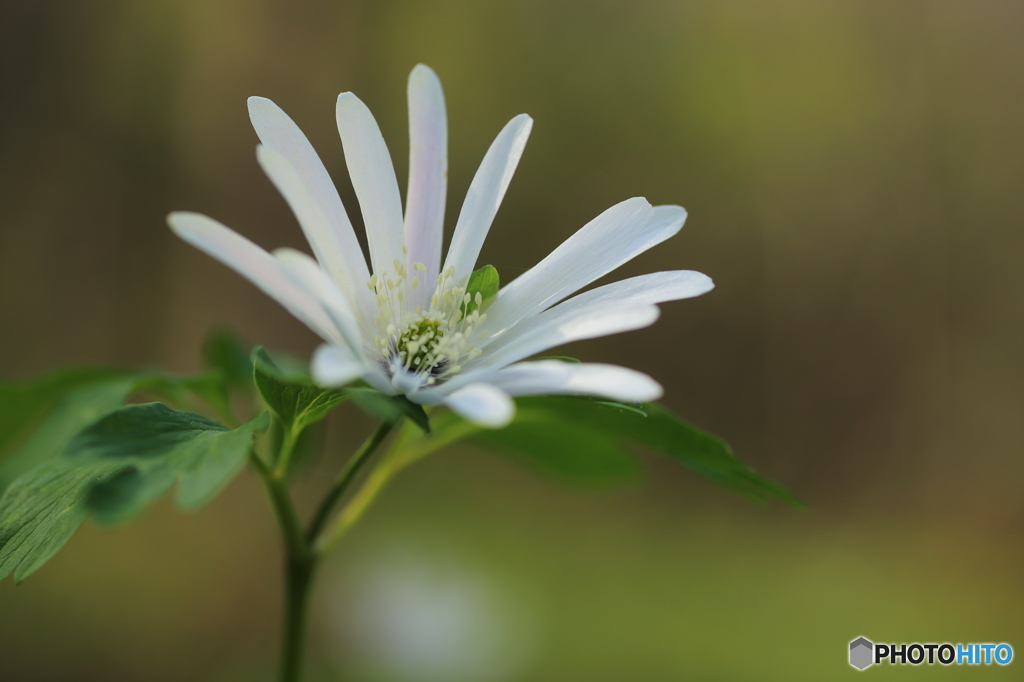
(428,177)
(307,274)
(485,195)
(256,265)
(553,377)
(333,366)
(606,242)
(328,230)
(483,404)
(556,331)
(373,178)
(646,289)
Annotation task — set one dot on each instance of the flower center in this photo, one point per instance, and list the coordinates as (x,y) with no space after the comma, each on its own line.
(419,343)
(430,344)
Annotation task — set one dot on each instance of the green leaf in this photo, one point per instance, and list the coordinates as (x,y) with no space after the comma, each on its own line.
(485,282)
(113,469)
(560,358)
(224,351)
(157,447)
(23,403)
(42,510)
(293,398)
(573,453)
(71,413)
(653,426)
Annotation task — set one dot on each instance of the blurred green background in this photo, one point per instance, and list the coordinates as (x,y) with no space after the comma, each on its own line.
(853,172)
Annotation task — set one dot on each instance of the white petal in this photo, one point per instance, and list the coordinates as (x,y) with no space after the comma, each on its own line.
(606,242)
(335,366)
(373,178)
(330,233)
(646,289)
(556,331)
(306,273)
(256,265)
(552,377)
(483,404)
(485,195)
(428,177)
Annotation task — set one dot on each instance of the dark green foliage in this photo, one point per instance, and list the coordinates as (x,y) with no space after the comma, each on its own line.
(298,402)
(73,411)
(42,510)
(601,425)
(161,446)
(23,403)
(568,451)
(224,351)
(113,469)
(293,398)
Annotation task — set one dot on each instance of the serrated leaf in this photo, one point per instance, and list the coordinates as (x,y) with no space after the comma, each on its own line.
(74,411)
(23,403)
(302,402)
(42,510)
(158,447)
(293,398)
(112,469)
(389,407)
(569,452)
(483,281)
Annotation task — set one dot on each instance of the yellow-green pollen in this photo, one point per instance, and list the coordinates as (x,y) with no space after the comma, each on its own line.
(431,343)
(417,344)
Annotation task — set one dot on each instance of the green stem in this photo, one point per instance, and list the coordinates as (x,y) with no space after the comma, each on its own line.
(299,567)
(404,452)
(298,581)
(345,478)
(284,509)
(288,440)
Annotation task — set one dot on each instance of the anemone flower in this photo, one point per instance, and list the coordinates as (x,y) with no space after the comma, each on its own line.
(438,333)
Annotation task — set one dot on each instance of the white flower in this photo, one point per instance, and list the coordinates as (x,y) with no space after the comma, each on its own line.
(402,328)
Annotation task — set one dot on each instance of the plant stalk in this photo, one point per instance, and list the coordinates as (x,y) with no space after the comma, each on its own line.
(298,581)
(301,556)
(345,478)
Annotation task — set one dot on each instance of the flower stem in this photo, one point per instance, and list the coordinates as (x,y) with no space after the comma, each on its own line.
(300,563)
(406,450)
(298,581)
(301,556)
(345,478)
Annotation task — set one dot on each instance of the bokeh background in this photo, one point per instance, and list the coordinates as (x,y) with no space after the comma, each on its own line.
(853,172)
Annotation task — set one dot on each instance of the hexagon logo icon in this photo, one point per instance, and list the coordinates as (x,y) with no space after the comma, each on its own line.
(861,653)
